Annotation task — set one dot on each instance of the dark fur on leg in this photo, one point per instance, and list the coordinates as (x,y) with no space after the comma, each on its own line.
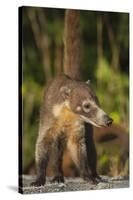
(42,152)
(91,152)
(58,149)
(58,179)
(40,180)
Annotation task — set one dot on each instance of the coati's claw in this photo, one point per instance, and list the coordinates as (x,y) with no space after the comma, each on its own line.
(58,179)
(91,180)
(38,183)
(98,178)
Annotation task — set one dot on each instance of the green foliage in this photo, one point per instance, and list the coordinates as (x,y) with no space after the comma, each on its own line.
(115,116)
(104,164)
(112,89)
(32,94)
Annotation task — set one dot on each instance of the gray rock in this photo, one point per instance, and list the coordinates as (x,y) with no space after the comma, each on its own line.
(72,184)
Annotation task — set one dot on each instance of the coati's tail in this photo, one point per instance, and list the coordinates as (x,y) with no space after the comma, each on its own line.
(72,66)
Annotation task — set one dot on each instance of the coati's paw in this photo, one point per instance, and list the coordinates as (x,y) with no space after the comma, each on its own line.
(58,179)
(91,180)
(94,181)
(97,177)
(38,182)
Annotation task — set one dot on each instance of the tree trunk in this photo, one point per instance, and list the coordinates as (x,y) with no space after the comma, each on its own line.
(41,39)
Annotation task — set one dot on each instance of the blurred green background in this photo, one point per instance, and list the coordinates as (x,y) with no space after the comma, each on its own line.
(105,61)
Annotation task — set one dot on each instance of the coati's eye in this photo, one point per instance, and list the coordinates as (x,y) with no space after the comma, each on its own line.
(86,107)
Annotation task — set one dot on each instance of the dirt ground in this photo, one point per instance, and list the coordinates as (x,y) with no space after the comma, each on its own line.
(72,184)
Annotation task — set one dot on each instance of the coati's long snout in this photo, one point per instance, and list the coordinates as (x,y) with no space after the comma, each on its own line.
(103,121)
(92,113)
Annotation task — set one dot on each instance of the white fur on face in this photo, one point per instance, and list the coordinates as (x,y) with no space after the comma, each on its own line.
(98,119)
(89,121)
(58,108)
(100,114)
(78,108)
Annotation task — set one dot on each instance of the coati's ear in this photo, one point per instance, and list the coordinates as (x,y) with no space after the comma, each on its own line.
(88,82)
(65,91)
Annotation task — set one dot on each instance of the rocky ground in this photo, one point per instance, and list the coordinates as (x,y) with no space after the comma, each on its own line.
(73,184)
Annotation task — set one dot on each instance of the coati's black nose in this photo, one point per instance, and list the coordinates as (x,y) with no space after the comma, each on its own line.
(108,121)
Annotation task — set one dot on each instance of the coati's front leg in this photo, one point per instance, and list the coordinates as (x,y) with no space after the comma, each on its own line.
(77,148)
(42,157)
(47,145)
(91,150)
(57,157)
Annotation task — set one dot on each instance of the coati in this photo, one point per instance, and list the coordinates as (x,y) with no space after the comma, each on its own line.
(69,109)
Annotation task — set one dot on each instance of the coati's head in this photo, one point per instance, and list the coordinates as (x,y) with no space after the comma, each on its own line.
(84,102)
